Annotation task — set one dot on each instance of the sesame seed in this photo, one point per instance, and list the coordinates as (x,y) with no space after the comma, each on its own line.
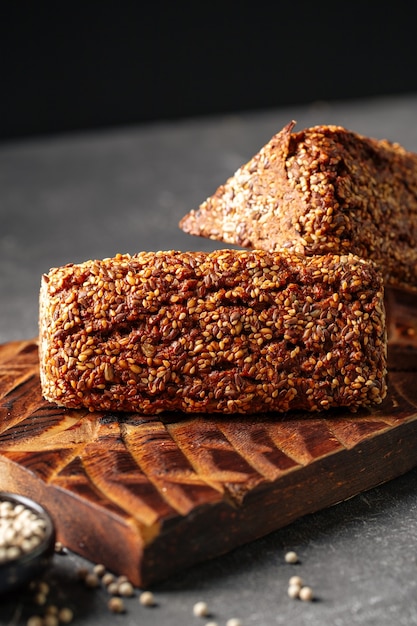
(337,213)
(225,344)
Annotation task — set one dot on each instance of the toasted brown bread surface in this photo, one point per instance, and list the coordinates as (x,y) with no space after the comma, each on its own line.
(232,331)
(323,189)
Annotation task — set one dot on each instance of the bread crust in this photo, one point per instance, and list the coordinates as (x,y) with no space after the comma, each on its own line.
(321,190)
(222,332)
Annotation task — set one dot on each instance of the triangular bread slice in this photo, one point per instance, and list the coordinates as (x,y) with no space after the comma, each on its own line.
(323,189)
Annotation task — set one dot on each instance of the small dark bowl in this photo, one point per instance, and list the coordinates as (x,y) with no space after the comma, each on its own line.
(31,565)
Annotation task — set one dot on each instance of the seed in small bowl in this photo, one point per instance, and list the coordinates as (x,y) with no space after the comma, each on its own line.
(27,540)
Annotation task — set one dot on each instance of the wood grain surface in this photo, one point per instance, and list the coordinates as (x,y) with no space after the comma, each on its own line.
(148,496)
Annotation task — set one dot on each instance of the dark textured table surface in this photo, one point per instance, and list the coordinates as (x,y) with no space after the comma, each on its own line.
(71,198)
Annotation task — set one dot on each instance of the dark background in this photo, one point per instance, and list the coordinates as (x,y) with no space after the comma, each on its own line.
(69,66)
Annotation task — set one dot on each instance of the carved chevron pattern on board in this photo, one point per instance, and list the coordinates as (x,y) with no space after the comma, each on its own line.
(150,472)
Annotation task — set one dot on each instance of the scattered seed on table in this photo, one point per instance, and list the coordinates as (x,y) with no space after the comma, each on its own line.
(42,587)
(291,557)
(60,548)
(122,579)
(146,598)
(40,599)
(306,594)
(99,570)
(296,581)
(51,609)
(92,580)
(82,573)
(116,605)
(234,621)
(35,620)
(126,589)
(65,615)
(294,591)
(200,609)
(107,579)
(113,588)
(50,620)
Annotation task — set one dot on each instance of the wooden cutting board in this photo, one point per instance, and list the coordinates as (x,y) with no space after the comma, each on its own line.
(148,496)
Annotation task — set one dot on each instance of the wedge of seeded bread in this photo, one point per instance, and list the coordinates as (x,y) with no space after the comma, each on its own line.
(228,331)
(324,189)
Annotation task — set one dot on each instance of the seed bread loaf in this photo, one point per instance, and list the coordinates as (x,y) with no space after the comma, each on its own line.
(322,190)
(227,331)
